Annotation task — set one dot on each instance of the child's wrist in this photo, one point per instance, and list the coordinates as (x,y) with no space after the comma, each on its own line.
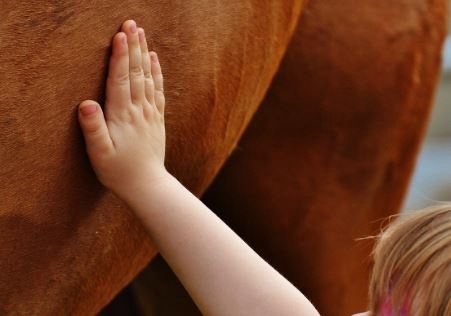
(145,184)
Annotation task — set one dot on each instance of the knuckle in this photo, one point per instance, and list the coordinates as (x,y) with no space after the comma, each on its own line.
(93,128)
(150,82)
(136,71)
(100,152)
(123,78)
(148,74)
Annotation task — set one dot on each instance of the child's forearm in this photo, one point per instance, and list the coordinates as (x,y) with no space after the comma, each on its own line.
(221,272)
(126,148)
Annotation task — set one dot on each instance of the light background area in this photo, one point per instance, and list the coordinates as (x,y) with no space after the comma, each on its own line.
(431,182)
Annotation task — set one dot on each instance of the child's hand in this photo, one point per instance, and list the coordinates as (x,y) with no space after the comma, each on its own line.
(127,145)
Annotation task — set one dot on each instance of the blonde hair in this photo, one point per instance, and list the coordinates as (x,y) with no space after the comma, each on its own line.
(412,265)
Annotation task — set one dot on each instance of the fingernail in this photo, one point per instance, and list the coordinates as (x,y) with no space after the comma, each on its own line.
(88,109)
(141,34)
(124,39)
(133,26)
(154,57)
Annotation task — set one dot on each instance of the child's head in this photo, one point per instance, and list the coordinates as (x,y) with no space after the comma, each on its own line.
(412,265)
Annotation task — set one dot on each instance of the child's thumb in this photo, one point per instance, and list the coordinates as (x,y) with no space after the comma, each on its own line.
(93,125)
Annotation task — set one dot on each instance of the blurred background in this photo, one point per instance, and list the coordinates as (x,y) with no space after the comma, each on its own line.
(431,182)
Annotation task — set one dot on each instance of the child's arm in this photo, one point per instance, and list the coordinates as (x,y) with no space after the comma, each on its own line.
(222,273)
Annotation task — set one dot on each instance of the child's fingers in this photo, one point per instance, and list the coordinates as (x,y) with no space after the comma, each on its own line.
(118,82)
(157,76)
(148,80)
(135,63)
(94,128)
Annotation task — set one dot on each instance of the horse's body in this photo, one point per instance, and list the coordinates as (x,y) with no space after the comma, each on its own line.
(67,246)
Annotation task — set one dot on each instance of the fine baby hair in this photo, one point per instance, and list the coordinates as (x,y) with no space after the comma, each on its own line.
(412,265)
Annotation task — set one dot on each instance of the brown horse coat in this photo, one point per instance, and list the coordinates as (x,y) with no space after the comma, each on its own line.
(66,245)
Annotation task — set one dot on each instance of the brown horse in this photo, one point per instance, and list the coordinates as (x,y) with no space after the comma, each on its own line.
(61,234)
(67,245)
